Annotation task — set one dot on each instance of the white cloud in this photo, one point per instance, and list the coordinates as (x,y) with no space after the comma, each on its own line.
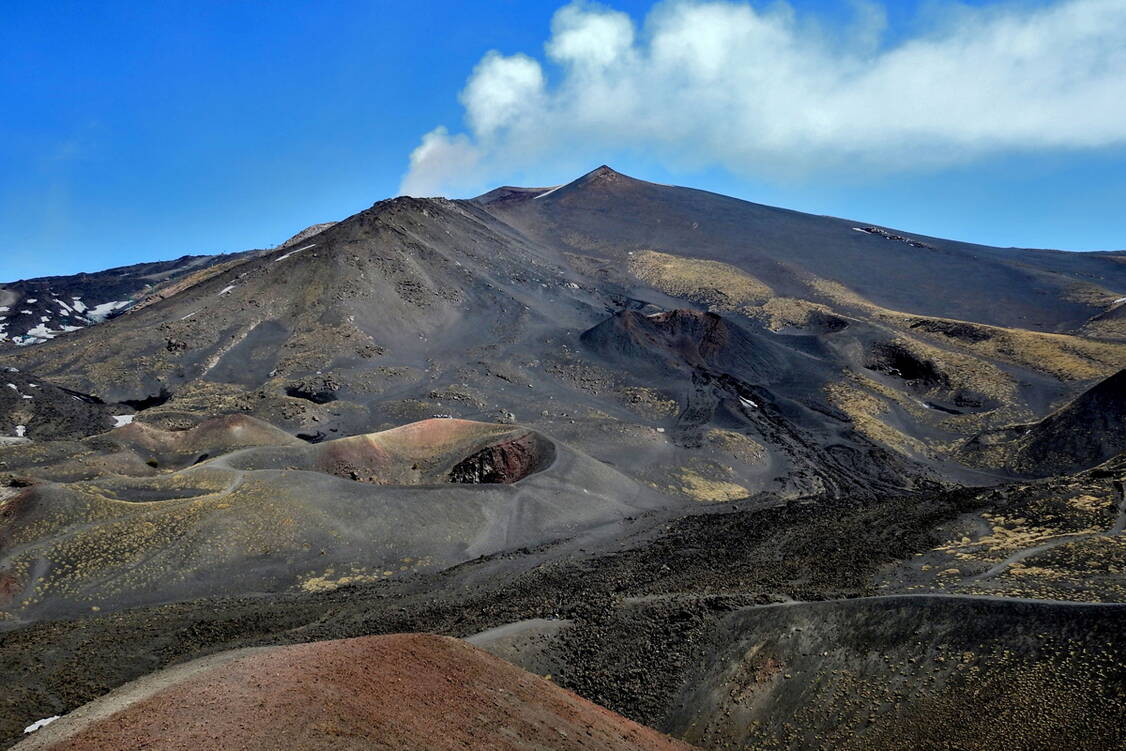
(761,91)
(440,161)
(501,92)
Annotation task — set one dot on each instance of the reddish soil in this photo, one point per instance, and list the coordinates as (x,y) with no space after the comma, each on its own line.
(382,692)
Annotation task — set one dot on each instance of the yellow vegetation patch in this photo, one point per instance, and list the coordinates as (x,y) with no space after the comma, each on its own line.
(1112,328)
(1088,503)
(1061,355)
(709,491)
(964,371)
(720,286)
(1069,358)
(781,312)
(865,409)
(327,584)
(649,402)
(1091,294)
(738,445)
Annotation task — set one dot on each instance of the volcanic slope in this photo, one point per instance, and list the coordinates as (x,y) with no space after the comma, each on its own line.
(33,311)
(397,692)
(698,409)
(868,673)
(639,620)
(146,517)
(854,342)
(419,307)
(1086,432)
(608,216)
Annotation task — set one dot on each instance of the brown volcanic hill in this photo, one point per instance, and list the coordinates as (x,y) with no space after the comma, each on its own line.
(399,692)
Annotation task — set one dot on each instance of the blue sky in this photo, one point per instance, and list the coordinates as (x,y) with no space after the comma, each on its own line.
(136,131)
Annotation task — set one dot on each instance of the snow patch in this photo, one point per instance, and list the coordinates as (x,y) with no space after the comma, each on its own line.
(225,290)
(78,304)
(99,313)
(287,255)
(548,192)
(861,229)
(13,387)
(42,332)
(40,723)
(122,420)
(20,430)
(1121,299)
(4,308)
(747,403)
(31,300)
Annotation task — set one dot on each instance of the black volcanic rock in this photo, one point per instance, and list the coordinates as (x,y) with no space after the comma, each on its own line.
(685,340)
(35,409)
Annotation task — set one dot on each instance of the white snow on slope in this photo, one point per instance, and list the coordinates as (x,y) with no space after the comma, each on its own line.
(122,420)
(20,430)
(42,332)
(99,313)
(287,255)
(225,290)
(548,192)
(1121,299)
(40,723)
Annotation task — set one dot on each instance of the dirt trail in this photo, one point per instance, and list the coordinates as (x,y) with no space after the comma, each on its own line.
(1020,555)
(1117,528)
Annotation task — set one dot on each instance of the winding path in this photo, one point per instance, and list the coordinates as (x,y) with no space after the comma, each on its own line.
(1117,528)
